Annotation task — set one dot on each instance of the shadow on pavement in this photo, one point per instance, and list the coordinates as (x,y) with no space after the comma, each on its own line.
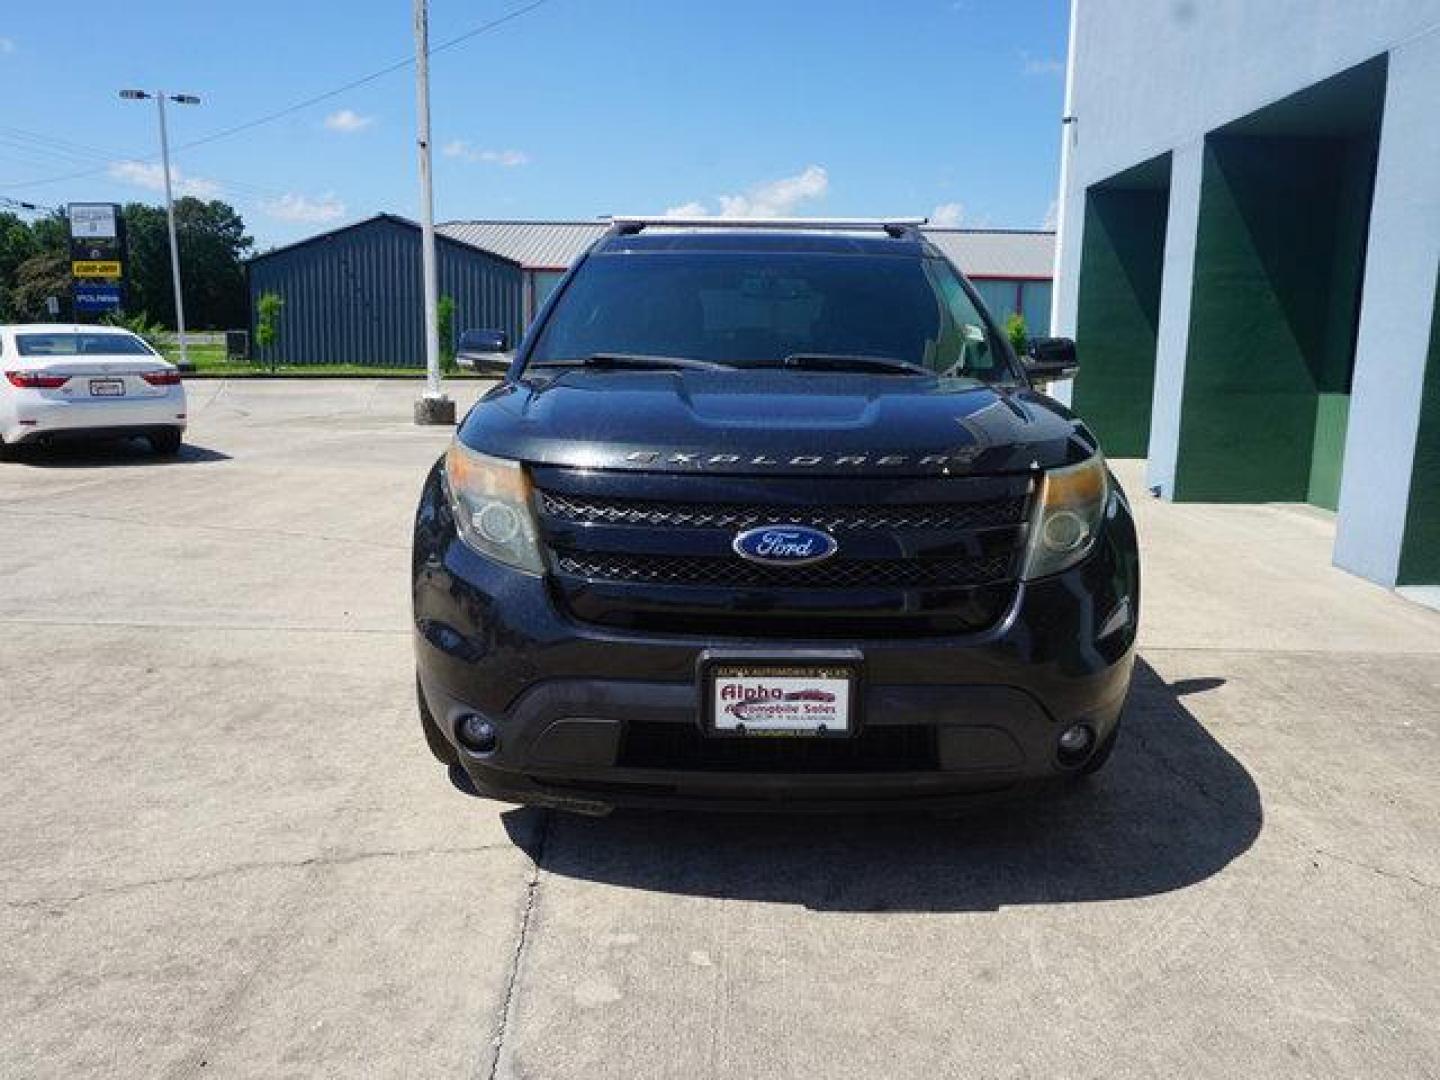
(1171,809)
(107,453)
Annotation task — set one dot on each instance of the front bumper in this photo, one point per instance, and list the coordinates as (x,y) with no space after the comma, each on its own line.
(569,699)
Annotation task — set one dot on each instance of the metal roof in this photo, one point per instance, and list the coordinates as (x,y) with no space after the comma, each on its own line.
(997,253)
(554,245)
(535,245)
(383,217)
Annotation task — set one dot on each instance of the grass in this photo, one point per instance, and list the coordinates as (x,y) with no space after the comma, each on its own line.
(210,363)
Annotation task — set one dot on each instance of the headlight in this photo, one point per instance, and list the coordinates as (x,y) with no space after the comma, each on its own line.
(490,498)
(1067,517)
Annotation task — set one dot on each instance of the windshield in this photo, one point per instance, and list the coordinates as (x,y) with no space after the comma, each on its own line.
(756,309)
(81,344)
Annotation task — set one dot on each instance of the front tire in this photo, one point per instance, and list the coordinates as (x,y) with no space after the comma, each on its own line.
(165,443)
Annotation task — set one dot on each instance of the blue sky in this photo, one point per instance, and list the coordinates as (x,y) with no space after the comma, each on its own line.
(579,108)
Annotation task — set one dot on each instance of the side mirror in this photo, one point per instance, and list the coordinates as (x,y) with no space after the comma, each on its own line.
(1050,358)
(487,351)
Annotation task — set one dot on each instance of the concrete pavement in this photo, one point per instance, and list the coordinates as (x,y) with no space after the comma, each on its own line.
(224,849)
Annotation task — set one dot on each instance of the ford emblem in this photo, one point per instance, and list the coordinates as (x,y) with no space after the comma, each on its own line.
(784,545)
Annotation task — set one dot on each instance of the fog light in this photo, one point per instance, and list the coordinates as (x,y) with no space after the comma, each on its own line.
(477,734)
(1075,743)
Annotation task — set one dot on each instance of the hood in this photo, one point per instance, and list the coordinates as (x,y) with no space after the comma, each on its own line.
(774,422)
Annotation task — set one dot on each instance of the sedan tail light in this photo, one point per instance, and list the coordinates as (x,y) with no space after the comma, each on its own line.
(36,380)
(161,378)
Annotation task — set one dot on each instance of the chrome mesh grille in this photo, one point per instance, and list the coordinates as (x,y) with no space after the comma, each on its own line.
(832,574)
(647,513)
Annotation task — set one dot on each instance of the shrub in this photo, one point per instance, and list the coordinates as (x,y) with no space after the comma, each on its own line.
(445,324)
(1018,333)
(267,321)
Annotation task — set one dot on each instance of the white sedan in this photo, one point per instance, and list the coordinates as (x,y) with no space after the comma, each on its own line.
(61,381)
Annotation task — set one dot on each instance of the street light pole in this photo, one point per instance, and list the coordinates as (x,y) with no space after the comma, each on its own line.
(179,99)
(433,407)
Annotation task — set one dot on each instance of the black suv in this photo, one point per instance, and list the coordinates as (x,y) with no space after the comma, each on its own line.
(769,514)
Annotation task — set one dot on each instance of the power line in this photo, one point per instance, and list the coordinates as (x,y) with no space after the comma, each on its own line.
(316,99)
(28,142)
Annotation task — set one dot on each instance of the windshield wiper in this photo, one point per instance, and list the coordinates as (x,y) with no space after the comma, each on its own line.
(640,361)
(843,362)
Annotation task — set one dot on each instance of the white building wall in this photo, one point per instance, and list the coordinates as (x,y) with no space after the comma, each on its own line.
(1395,317)
(1173,336)
(1155,75)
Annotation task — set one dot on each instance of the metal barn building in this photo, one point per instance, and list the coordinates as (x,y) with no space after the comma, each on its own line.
(353,296)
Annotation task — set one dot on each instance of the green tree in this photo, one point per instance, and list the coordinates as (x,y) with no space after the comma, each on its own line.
(267,322)
(445,323)
(36,279)
(17,243)
(21,241)
(213,247)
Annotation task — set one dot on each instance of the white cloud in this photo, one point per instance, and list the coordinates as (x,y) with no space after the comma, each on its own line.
(348,121)
(1041,65)
(947,215)
(7,45)
(149,174)
(1052,215)
(508,159)
(294,207)
(772,198)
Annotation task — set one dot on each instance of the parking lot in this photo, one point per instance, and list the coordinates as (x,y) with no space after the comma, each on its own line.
(226,850)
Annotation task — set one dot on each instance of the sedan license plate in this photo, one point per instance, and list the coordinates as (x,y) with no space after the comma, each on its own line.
(780,699)
(107,387)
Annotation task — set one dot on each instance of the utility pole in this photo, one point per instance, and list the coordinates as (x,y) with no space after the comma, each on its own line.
(433,407)
(179,99)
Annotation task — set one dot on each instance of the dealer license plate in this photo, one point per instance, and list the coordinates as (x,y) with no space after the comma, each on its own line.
(780,699)
(107,387)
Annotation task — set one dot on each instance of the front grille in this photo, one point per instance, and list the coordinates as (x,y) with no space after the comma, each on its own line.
(831,574)
(917,556)
(890,748)
(643,512)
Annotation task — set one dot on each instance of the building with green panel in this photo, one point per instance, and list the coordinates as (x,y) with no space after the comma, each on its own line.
(1247,258)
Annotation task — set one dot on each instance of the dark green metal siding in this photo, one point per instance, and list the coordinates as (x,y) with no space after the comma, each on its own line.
(1121,258)
(1278,263)
(354,296)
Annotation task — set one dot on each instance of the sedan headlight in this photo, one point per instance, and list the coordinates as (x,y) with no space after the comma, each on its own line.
(490,498)
(1067,517)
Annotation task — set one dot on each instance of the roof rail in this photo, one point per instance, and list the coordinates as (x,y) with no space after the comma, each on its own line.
(629,224)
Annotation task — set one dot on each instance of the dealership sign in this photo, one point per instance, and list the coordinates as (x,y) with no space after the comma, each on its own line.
(97,255)
(95,297)
(105,269)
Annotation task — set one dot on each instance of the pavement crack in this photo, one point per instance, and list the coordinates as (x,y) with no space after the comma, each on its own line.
(1378,871)
(1170,767)
(246,868)
(532,890)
